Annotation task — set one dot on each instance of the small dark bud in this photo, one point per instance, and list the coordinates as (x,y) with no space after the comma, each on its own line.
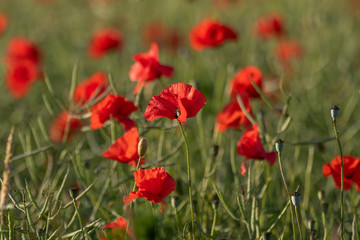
(175,201)
(215,150)
(195,206)
(334,112)
(266,235)
(311,224)
(324,207)
(279,145)
(295,199)
(321,195)
(142,147)
(177,113)
(215,204)
(74,192)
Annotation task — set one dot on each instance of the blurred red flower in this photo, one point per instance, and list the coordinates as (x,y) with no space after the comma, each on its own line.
(250,147)
(157,32)
(268,26)
(287,50)
(118,230)
(148,68)
(3,23)
(153,184)
(125,149)
(351,171)
(113,106)
(103,41)
(178,101)
(241,83)
(232,116)
(210,33)
(59,125)
(86,90)
(20,76)
(21,49)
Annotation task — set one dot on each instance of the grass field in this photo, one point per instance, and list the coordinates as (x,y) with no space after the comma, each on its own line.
(57,184)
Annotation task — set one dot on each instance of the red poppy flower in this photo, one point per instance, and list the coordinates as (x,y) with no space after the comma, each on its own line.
(157,32)
(3,23)
(178,101)
(125,149)
(269,26)
(232,116)
(250,147)
(210,33)
(287,50)
(241,83)
(59,125)
(148,68)
(104,41)
(153,184)
(351,171)
(118,229)
(20,76)
(113,106)
(21,49)
(95,84)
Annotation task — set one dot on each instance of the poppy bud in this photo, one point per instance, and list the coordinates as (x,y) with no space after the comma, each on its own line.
(195,204)
(73,192)
(295,199)
(279,145)
(321,195)
(175,201)
(215,204)
(142,146)
(324,207)
(334,111)
(266,235)
(311,224)
(215,150)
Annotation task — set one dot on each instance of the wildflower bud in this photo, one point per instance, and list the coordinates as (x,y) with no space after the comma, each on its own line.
(295,199)
(321,195)
(324,207)
(142,146)
(311,224)
(279,145)
(215,150)
(215,204)
(266,235)
(195,206)
(334,111)
(74,192)
(175,201)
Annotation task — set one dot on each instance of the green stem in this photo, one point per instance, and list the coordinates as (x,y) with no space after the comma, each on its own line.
(213,224)
(342,180)
(78,215)
(324,225)
(189,180)
(298,222)
(289,196)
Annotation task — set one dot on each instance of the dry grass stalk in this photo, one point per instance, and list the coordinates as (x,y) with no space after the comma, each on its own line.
(6,175)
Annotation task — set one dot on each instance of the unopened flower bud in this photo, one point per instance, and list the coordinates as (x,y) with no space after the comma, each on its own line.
(215,204)
(266,235)
(215,150)
(324,207)
(175,201)
(321,195)
(334,111)
(74,192)
(311,224)
(142,146)
(195,206)
(295,199)
(279,145)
